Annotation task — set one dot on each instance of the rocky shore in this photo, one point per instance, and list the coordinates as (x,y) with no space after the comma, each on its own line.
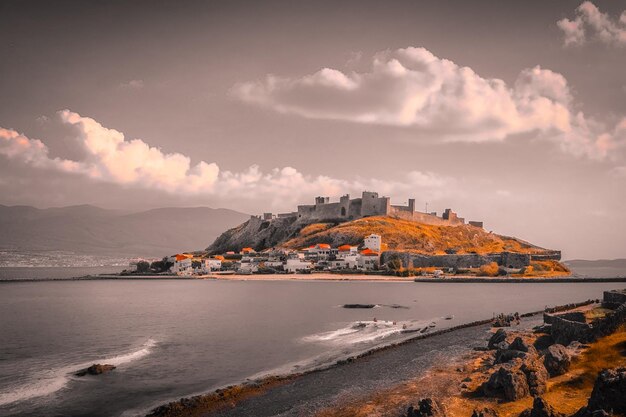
(521,370)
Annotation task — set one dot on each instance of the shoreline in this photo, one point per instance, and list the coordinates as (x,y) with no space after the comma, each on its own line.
(228,397)
(329,277)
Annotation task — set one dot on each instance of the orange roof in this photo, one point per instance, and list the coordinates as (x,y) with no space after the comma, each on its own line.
(218,257)
(344,248)
(181,256)
(323,246)
(369,252)
(247,250)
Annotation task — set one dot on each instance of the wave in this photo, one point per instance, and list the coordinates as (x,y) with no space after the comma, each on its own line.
(368,331)
(48,382)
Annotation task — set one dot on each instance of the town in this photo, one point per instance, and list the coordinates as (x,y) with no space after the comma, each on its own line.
(320,257)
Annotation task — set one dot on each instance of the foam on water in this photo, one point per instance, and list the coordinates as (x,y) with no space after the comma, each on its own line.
(50,381)
(366,331)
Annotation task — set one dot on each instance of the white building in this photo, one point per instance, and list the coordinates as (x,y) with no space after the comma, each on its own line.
(373,242)
(368,261)
(183,265)
(210,265)
(296,265)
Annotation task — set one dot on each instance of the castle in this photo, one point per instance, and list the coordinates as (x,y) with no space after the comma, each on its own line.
(369,204)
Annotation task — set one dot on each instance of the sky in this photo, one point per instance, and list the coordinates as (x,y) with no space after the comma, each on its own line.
(513,113)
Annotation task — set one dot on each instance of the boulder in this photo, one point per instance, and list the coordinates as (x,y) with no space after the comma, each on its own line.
(497,340)
(95,369)
(507,355)
(536,375)
(519,344)
(425,408)
(517,378)
(541,409)
(609,391)
(485,412)
(557,360)
(508,382)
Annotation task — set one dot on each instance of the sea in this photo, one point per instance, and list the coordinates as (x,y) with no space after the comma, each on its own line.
(173,338)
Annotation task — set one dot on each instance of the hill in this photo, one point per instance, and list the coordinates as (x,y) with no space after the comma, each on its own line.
(398,234)
(87,229)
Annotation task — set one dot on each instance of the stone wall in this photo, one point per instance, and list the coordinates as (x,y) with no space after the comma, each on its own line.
(565,328)
(409,260)
(548,255)
(612,299)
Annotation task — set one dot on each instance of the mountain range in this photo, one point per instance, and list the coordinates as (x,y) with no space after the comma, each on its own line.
(87,229)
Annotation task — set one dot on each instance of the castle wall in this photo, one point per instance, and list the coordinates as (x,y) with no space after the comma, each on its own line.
(372,205)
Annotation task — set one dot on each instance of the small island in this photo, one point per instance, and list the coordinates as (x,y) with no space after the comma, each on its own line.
(365,236)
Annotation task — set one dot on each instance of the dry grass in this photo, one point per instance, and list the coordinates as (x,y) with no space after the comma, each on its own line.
(416,237)
(545,269)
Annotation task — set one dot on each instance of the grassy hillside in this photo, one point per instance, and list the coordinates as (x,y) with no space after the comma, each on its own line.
(410,236)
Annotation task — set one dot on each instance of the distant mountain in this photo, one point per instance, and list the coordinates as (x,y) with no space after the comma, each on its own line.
(599,263)
(601,268)
(94,230)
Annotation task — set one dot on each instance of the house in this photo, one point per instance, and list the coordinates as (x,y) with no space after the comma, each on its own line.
(247,265)
(183,264)
(373,242)
(211,264)
(368,259)
(297,265)
(247,251)
(346,250)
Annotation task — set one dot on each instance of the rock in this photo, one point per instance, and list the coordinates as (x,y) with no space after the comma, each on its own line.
(557,360)
(508,382)
(609,391)
(95,369)
(519,344)
(518,378)
(359,305)
(425,408)
(485,412)
(507,355)
(536,375)
(541,409)
(497,339)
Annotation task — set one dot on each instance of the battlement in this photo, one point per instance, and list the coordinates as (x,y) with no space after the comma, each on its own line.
(369,204)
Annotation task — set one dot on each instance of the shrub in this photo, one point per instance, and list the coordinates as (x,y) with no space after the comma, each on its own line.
(489,270)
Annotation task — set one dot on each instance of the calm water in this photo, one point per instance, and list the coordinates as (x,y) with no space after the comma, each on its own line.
(174,338)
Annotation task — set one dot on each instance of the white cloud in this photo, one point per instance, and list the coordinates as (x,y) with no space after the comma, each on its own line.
(112,158)
(132,85)
(413,88)
(597,25)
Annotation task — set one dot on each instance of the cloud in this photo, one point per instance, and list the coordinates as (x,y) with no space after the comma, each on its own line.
(110,157)
(591,21)
(132,85)
(415,89)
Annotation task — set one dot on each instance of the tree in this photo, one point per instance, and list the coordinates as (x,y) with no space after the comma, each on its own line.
(143,267)
(395,263)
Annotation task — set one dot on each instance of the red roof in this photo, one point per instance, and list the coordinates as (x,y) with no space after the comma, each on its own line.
(344,248)
(323,246)
(369,252)
(181,256)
